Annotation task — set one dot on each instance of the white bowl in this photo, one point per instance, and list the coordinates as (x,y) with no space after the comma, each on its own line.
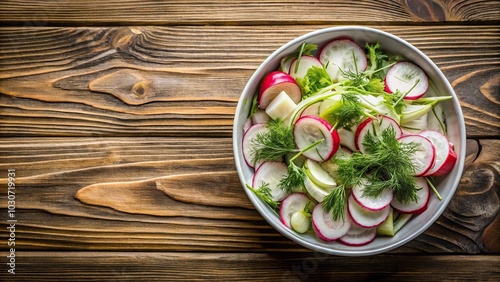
(456,134)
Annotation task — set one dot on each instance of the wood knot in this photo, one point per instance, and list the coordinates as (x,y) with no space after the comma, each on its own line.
(124,38)
(426,10)
(140,89)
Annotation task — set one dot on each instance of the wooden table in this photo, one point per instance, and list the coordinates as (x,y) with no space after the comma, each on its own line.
(117,118)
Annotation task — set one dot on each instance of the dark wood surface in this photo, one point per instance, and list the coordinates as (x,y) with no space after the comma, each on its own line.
(117,117)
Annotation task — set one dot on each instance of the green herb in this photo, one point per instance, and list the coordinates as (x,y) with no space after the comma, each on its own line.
(315,79)
(335,202)
(294,178)
(295,174)
(274,144)
(345,113)
(394,101)
(254,106)
(264,193)
(387,164)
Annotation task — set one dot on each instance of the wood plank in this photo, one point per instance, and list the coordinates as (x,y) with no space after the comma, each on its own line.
(184,194)
(142,81)
(256,12)
(202,266)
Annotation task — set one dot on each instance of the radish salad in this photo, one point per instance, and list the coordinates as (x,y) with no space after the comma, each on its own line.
(346,141)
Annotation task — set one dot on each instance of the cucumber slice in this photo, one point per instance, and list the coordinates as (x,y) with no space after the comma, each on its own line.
(318,175)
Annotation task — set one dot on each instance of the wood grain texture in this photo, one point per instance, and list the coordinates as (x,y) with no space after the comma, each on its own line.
(183,194)
(185,81)
(202,266)
(189,12)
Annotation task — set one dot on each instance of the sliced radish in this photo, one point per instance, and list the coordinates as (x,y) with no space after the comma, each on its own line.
(445,156)
(347,138)
(271,173)
(325,227)
(310,129)
(281,107)
(369,203)
(425,155)
(317,192)
(365,217)
(342,55)
(423,194)
(260,116)
(273,84)
(247,142)
(247,124)
(403,76)
(374,127)
(312,110)
(358,236)
(305,63)
(292,204)
(318,175)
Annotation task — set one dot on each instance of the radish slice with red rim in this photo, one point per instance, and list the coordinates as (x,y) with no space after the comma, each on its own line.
(272,85)
(325,227)
(371,203)
(310,129)
(358,236)
(271,173)
(247,142)
(293,203)
(365,217)
(424,157)
(342,55)
(374,127)
(305,63)
(406,76)
(423,194)
(445,156)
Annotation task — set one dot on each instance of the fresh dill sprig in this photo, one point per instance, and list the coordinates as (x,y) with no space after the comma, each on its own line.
(264,193)
(387,164)
(335,202)
(295,174)
(294,178)
(350,113)
(273,144)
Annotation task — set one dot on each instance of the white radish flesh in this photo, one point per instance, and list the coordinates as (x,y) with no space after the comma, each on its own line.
(312,110)
(273,84)
(247,124)
(310,129)
(248,144)
(305,63)
(375,127)
(445,156)
(406,76)
(342,55)
(411,207)
(292,204)
(358,236)
(365,217)
(270,173)
(424,157)
(260,116)
(371,203)
(281,107)
(325,227)
(347,138)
